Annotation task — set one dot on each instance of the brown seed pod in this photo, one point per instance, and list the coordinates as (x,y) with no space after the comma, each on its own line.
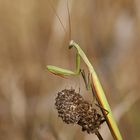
(72,108)
(66,103)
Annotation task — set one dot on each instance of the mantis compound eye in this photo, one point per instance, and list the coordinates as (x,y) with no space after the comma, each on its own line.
(73,109)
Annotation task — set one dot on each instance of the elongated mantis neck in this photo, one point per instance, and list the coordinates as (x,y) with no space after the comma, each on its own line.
(82,55)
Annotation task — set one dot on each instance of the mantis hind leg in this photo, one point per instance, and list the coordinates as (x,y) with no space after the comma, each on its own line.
(107,112)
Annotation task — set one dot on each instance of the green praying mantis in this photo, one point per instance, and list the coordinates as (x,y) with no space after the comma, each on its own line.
(93,83)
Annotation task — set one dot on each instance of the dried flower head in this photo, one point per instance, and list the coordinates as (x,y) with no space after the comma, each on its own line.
(67,102)
(72,108)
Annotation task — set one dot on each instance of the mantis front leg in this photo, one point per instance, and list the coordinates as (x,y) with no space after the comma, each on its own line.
(65,72)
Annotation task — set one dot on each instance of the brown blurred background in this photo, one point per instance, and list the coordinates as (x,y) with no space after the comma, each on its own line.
(32,37)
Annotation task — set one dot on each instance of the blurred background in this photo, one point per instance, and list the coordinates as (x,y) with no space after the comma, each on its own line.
(32,37)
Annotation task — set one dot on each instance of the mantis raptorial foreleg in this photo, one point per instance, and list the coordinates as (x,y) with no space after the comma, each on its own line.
(64,72)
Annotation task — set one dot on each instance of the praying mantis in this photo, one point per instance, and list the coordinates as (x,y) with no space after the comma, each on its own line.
(93,83)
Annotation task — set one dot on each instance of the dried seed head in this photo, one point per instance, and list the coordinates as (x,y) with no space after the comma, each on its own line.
(72,108)
(90,120)
(66,104)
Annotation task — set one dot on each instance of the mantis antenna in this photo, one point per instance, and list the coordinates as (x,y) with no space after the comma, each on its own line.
(69,23)
(69,20)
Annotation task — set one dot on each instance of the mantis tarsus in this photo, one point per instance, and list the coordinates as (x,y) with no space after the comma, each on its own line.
(94,84)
